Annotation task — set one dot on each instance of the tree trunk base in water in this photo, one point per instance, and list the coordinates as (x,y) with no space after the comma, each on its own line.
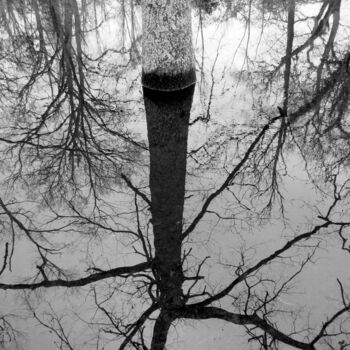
(164,82)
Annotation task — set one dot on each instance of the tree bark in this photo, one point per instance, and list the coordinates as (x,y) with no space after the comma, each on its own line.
(168,79)
(167,116)
(167,51)
(161,329)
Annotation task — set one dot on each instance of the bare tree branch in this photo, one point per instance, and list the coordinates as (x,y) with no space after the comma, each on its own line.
(201,313)
(116,272)
(262,263)
(229,178)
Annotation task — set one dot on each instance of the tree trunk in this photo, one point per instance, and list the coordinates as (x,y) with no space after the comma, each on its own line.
(168,78)
(167,123)
(160,332)
(167,51)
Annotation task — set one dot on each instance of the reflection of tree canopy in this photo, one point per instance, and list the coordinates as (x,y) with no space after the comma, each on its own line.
(319,86)
(68,128)
(76,186)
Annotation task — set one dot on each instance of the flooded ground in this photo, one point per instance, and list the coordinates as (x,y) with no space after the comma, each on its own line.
(294,180)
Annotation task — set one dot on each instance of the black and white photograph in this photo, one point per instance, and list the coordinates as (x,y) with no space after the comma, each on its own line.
(174,174)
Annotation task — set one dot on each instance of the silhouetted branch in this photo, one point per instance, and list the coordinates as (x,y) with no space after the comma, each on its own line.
(136,190)
(123,272)
(201,313)
(138,324)
(229,178)
(264,262)
(4,264)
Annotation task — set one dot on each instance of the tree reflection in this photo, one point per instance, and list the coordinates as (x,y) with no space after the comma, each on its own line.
(169,225)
